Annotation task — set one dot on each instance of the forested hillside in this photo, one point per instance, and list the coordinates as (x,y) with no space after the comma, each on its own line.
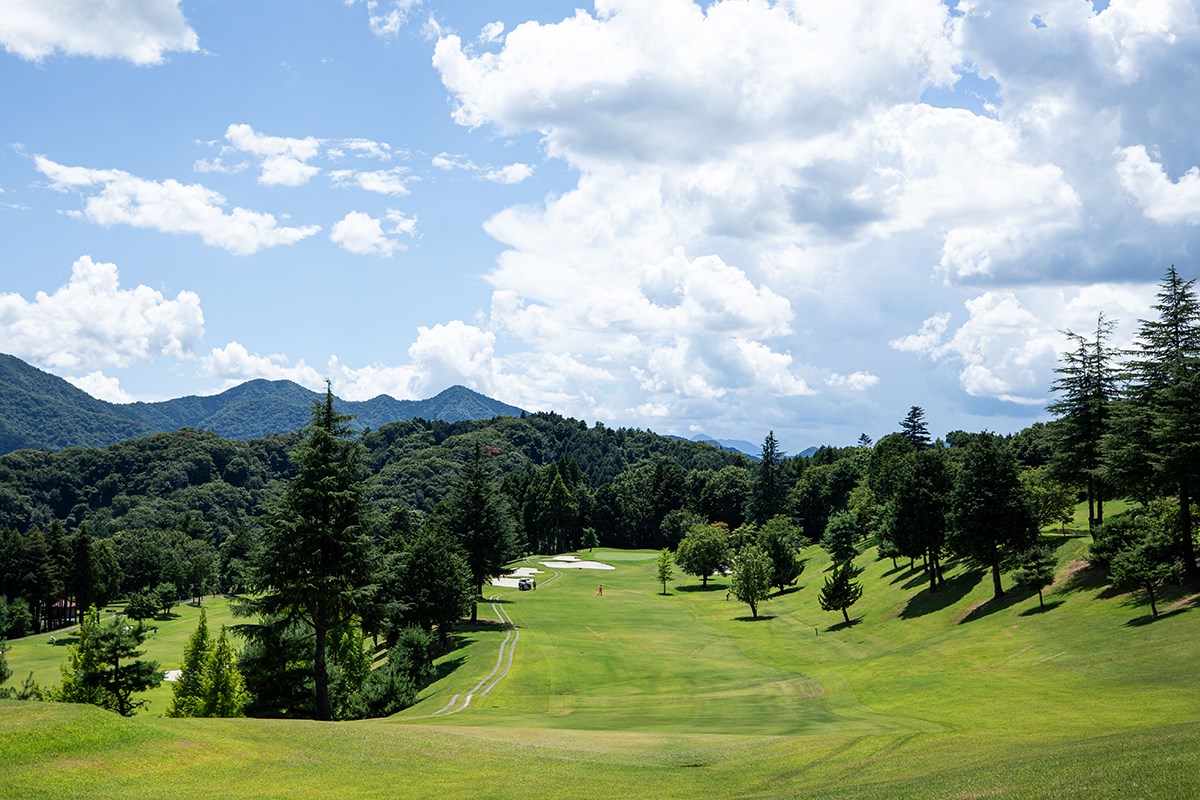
(43,412)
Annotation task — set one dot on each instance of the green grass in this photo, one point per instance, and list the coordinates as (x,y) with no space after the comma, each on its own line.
(37,655)
(638,694)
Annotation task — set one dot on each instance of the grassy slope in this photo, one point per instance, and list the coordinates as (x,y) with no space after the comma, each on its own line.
(645,695)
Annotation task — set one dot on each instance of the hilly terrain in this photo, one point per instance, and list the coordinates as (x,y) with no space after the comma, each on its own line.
(40,411)
(682,695)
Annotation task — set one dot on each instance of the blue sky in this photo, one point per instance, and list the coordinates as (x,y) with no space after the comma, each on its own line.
(722,218)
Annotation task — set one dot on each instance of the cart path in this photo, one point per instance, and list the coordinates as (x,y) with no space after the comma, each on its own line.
(504,659)
(507,647)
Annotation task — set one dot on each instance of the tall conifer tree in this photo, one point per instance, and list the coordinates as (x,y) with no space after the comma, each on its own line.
(316,563)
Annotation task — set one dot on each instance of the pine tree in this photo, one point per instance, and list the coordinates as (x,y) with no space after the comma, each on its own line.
(224,690)
(104,669)
(840,535)
(841,590)
(769,490)
(1035,570)
(316,565)
(780,540)
(483,522)
(1087,387)
(914,429)
(187,695)
(1162,416)
(990,517)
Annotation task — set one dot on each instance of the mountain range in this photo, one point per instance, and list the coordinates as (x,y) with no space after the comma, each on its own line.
(44,412)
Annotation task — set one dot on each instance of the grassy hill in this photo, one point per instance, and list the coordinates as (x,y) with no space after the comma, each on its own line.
(636,694)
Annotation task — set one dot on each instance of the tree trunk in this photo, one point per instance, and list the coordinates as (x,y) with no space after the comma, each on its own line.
(1153,607)
(1099,503)
(996,587)
(1188,550)
(475,607)
(1091,497)
(1041,602)
(321,676)
(846,615)
(932,572)
(704,581)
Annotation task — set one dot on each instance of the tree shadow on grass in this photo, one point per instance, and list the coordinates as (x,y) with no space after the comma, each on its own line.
(444,668)
(843,625)
(1049,606)
(788,590)
(759,618)
(1147,619)
(907,573)
(949,593)
(1090,579)
(712,587)
(1010,598)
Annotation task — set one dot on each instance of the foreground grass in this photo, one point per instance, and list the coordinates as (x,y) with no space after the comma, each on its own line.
(645,695)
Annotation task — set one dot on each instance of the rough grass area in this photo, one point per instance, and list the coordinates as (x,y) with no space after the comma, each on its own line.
(637,694)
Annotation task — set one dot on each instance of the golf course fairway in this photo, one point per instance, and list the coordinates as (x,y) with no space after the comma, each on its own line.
(639,694)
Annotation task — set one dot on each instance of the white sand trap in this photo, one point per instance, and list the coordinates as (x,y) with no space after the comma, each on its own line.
(510,580)
(172,674)
(574,563)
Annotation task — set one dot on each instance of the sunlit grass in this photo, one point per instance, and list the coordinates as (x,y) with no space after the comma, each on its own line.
(643,695)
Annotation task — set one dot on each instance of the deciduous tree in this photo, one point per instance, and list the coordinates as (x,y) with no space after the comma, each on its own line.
(663,570)
(703,551)
(751,580)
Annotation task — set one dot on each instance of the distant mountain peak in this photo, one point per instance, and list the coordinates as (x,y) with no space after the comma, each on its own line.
(42,411)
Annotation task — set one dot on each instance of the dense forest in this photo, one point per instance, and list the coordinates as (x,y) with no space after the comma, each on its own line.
(331,535)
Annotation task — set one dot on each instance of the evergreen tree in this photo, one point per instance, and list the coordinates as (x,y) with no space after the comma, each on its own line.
(1035,570)
(481,519)
(438,588)
(913,428)
(780,540)
(115,670)
(990,517)
(914,516)
(841,590)
(315,565)
(1087,388)
(840,535)
(1159,426)
(187,694)
(224,690)
(82,660)
(769,490)
(751,580)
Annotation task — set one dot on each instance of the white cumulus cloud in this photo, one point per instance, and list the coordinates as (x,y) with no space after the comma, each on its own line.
(141,31)
(171,207)
(91,323)
(283,160)
(362,234)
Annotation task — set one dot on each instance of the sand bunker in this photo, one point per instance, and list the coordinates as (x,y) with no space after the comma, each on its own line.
(571,562)
(172,674)
(510,580)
